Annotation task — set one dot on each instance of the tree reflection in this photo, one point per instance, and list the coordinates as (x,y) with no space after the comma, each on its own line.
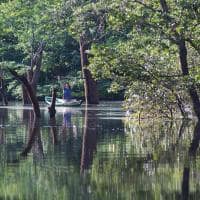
(89,138)
(34,140)
(191,155)
(53,130)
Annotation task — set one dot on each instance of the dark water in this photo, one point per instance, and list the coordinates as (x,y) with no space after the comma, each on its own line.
(96,154)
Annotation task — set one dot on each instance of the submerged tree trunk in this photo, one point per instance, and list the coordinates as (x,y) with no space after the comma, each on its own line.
(90,85)
(51,108)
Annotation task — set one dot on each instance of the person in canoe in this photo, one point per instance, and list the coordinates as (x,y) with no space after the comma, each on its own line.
(67,92)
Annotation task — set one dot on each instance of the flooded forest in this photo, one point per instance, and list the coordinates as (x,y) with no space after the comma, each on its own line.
(99,99)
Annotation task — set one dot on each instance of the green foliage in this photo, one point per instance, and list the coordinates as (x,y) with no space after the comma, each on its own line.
(143,57)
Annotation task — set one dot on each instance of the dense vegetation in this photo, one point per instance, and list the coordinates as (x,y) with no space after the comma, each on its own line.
(149,49)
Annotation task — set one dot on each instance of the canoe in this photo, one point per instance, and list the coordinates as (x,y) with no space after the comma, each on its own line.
(62,102)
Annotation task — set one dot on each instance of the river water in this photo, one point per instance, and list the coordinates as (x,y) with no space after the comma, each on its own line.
(98,154)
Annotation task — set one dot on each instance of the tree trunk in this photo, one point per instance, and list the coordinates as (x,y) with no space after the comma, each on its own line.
(185,70)
(90,88)
(25,97)
(51,108)
(90,85)
(181,106)
(184,64)
(3,92)
(29,90)
(164,6)
(33,75)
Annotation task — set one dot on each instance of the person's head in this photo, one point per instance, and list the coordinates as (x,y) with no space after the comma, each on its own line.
(67,85)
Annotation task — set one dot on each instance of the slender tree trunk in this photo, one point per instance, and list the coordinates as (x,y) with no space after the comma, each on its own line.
(164,6)
(90,85)
(25,97)
(181,106)
(33,75)
(3,92)
(185,70)
(184,64)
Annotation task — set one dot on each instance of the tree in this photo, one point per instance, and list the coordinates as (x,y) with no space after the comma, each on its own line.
(88,26)
(141,53)
(23,28)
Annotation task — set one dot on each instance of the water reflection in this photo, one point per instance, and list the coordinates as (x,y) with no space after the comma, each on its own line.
(34,142)
(67,122)
(189,160)
(53,130)
(90,153)
(89,142)
(68,129)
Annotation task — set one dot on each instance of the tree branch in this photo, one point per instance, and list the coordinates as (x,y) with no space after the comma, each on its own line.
(29,90)
(164,6)
(196,47)
(37,60)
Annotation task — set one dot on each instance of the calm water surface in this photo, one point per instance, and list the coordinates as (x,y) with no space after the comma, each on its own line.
(97,154)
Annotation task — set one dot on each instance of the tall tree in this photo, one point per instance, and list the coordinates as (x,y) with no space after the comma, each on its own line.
(88,26)
(141,55)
